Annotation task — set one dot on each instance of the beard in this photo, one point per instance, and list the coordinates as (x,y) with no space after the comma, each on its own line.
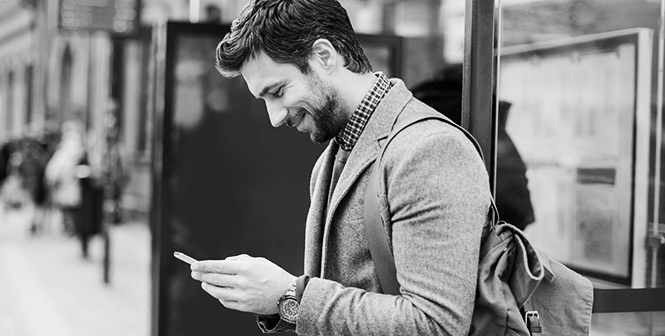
(328,117)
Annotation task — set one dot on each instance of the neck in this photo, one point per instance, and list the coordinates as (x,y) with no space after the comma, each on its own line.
(353,87)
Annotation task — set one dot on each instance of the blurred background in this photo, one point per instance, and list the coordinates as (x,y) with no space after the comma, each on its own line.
(120,143)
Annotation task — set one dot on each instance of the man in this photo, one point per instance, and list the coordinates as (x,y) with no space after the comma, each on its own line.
(302,57)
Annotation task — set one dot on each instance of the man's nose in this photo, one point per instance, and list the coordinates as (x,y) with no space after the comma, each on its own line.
(277,114)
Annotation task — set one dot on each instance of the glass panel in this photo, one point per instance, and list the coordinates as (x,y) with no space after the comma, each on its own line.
(582,99)
(573,118)
(226,175)
(620,324)
(4,125)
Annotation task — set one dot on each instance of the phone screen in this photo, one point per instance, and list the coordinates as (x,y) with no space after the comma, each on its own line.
(184,257)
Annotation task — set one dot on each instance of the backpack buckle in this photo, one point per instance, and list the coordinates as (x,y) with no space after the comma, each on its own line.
(532,319)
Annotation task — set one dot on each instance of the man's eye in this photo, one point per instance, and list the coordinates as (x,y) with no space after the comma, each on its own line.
(278,93)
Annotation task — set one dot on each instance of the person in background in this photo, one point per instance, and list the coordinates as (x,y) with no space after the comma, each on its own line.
(443,92)
(31,166)
(6,149)
(303,59)
(213,14)
(5,152)
(63,172)
(22,162)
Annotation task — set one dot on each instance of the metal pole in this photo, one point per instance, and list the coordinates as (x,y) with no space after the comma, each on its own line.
(659,147)
(106,262)
(107,251)
(478,79)
(498,40)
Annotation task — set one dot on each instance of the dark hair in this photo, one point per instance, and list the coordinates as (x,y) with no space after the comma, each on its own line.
(285,30)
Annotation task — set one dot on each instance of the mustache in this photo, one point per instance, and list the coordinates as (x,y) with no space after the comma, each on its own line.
(295,118)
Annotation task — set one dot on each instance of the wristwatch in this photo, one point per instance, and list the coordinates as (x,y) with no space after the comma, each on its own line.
(288,305)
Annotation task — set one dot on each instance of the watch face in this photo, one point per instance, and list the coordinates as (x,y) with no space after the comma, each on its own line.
(288,309)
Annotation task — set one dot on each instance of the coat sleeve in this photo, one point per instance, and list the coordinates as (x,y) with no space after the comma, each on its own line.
(436,197)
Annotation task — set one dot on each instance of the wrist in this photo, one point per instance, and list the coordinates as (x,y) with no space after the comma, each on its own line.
(288,305)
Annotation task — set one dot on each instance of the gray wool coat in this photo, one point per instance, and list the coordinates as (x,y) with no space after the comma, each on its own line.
(434,198)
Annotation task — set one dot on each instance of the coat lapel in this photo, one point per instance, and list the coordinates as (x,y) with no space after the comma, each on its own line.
(316,214)
(366,149)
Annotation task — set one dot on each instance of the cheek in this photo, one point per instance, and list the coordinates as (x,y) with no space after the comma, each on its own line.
(307,96)
(306,104)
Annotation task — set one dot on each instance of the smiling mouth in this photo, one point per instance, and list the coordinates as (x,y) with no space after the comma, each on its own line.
(295,120)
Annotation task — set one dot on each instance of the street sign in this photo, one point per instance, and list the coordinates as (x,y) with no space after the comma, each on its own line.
(120,17)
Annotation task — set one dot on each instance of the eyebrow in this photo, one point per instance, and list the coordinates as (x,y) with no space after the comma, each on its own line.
(270,87)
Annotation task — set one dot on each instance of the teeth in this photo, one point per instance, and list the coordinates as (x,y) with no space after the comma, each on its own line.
(293,122)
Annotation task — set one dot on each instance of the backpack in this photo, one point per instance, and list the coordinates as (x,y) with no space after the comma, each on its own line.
(520,291)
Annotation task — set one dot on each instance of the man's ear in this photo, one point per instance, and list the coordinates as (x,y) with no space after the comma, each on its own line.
(324,55)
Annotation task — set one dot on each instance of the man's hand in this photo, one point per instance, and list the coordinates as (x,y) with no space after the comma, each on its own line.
(244,283)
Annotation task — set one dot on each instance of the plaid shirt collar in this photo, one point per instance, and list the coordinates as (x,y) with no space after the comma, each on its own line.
(350,134)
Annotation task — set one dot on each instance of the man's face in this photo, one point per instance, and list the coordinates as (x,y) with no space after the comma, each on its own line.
(300,101)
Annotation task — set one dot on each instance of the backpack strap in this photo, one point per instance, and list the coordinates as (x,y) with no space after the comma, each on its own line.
(375,231)
(532,320)
(377,238)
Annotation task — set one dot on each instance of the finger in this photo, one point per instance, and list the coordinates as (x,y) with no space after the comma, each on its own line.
(214,266)
(219,293)
(230,304)
(239,257)
(220,280)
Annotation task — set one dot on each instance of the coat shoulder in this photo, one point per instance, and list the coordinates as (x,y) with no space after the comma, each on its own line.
(428,132)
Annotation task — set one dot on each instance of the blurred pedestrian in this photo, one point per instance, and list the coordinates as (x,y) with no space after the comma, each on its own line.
(63,172)
(213,14)
(115,174)
(5,151)
(22,162)
(31,169)
(12,191)
(5,155)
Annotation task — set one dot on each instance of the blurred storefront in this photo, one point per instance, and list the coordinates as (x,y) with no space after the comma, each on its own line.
(60,61)
(54,68)
(17,61)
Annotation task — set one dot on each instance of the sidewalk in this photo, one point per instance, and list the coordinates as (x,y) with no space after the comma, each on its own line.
(48,289)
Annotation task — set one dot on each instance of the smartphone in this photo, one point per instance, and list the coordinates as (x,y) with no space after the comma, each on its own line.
(184,257)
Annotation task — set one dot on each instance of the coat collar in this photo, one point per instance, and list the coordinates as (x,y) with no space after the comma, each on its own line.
(378,128)
(367,148)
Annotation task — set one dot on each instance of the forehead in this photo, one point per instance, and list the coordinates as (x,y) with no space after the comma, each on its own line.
(261,71)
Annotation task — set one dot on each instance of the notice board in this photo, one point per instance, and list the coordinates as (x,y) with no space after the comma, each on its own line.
(580,118)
